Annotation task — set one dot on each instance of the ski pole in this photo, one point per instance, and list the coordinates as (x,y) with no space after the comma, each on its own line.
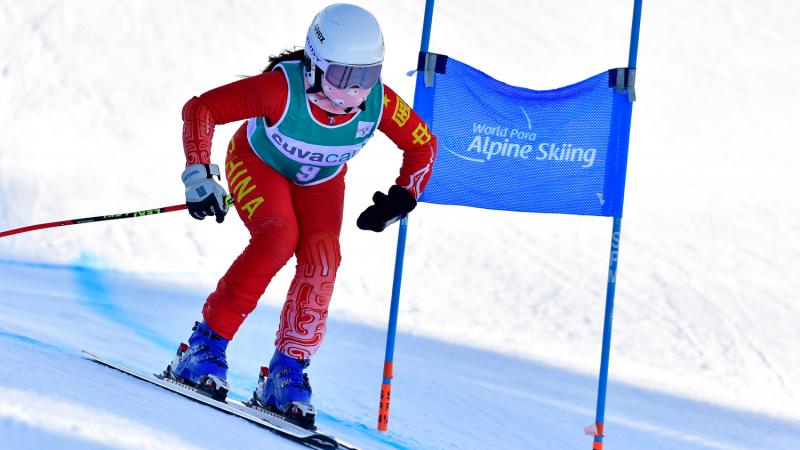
(391,332)
(129,215)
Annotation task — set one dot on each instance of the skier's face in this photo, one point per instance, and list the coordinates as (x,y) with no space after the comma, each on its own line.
(338,101)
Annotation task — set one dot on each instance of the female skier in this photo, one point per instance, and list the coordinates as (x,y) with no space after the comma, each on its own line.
(310,112)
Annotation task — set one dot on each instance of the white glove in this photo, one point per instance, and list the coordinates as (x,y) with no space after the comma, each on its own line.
(204,196)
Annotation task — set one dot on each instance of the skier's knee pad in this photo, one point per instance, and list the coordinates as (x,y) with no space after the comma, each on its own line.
(275,237)
(320,249)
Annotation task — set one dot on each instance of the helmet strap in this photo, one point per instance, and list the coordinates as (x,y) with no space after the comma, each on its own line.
(313,74)
(362,107)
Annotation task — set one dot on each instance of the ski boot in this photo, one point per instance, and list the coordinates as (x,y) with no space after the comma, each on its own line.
(201,363)
(284,389)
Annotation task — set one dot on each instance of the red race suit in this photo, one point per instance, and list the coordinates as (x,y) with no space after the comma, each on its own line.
(284,218)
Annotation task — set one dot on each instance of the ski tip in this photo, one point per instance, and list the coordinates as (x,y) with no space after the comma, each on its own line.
(86,354)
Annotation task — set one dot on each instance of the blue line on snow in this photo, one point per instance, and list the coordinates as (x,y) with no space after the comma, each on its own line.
(30,340)
(96,293)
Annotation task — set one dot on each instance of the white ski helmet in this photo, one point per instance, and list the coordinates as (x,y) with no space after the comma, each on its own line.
(345,45)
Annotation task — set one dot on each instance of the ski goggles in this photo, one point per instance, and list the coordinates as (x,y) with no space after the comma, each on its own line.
(343,76)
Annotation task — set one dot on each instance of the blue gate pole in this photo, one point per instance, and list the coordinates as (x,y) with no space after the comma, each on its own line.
(612,269)
(386,386)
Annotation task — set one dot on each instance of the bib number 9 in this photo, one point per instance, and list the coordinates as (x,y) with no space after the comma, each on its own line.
(307,173)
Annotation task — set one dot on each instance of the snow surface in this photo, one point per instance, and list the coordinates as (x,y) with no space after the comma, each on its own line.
(496,309)
(444,396)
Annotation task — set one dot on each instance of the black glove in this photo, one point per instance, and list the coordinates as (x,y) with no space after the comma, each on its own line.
(387,209)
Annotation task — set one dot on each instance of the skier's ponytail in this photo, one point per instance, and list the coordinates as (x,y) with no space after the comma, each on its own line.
(286,55)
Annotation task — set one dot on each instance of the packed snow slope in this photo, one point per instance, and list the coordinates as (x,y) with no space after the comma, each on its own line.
(707,296)
(445,396)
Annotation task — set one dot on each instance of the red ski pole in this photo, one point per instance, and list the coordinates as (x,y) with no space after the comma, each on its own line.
(130,215)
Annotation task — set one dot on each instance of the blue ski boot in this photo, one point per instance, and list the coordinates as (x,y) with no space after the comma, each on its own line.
(201,363)
(283,388)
